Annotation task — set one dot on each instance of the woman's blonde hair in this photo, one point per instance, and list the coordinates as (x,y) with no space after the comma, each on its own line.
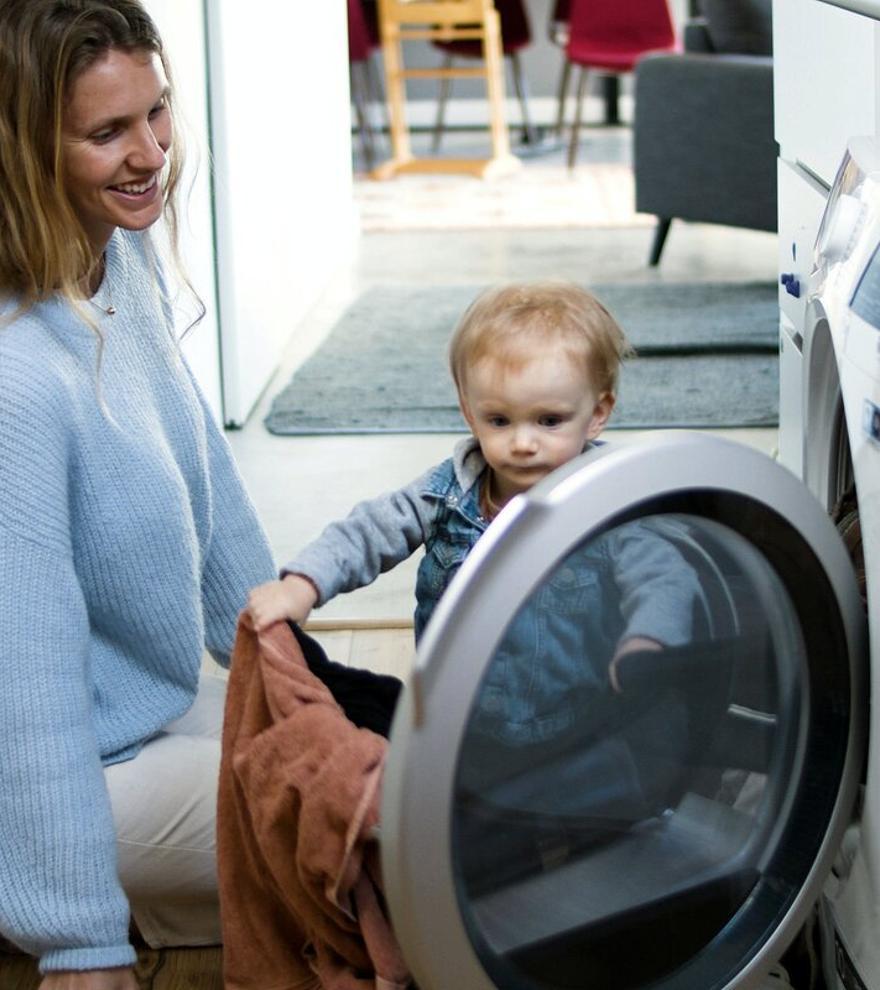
(44,46)
(510,322)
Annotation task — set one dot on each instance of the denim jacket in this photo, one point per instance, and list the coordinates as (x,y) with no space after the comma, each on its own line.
(440,511)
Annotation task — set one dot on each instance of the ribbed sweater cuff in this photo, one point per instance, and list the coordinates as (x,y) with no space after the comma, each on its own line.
(88,957)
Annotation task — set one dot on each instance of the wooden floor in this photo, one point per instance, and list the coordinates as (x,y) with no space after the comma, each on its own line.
(165,969)
(380,646)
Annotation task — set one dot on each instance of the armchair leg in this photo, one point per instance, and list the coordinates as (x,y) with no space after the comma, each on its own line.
(660,232)
(376,92)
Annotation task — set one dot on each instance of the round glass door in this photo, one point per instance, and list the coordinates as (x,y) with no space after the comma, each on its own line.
(632,740)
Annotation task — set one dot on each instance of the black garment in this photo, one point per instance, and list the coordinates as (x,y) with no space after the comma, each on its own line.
(367,698)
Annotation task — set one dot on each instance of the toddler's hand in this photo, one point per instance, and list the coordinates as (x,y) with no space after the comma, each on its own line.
(293,598)
(633,644)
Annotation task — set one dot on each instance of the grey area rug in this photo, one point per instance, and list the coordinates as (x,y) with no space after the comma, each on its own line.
(706,357)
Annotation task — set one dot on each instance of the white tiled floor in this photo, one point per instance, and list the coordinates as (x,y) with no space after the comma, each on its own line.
(301,483)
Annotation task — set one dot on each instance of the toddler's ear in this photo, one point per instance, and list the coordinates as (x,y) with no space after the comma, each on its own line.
(601,412)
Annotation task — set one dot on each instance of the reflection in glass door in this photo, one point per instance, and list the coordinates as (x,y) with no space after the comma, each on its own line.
(624,766)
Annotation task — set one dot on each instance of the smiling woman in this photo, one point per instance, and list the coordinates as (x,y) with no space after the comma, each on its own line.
(127,541)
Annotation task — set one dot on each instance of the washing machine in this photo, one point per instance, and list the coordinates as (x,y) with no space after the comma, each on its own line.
(671,826)
(840,457)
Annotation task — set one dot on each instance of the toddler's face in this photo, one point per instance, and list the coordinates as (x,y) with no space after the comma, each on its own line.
(531,418)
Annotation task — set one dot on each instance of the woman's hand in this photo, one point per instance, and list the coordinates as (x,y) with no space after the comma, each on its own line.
(292,598)
(91,979)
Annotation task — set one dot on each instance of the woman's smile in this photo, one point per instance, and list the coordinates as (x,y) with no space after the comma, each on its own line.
(137,189)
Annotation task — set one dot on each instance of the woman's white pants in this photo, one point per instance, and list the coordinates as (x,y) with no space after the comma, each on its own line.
(165,807)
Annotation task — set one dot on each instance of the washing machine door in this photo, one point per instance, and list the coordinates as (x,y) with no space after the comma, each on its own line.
(633,736)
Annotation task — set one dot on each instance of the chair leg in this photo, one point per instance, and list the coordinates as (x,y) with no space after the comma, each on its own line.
(660,232)
(562,95)
(360,105)
(445,86)
(578,110)
(529,135)
(376,92)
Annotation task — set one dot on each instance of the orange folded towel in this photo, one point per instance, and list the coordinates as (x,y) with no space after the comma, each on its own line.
(300,891)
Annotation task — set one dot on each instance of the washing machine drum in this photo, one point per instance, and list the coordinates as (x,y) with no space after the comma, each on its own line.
(632,739)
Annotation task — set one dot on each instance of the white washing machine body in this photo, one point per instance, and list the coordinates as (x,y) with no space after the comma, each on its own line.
(839,443)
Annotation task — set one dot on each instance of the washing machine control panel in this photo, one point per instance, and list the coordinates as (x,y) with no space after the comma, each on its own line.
(838,236)
(847,233)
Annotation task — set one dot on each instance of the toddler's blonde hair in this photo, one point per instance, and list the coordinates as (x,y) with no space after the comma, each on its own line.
(508,322)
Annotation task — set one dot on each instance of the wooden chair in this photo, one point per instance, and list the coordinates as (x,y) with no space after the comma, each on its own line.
(442,20)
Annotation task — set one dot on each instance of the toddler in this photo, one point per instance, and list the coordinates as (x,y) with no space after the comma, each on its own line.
(536,368)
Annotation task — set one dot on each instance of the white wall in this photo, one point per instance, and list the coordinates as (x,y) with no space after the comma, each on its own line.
(283,188)
(180,23)
(261,246)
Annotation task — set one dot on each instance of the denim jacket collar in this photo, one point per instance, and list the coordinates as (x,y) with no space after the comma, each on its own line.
(456,481)
(462,470)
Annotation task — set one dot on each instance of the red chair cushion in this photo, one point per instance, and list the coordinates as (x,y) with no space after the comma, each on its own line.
(614,34)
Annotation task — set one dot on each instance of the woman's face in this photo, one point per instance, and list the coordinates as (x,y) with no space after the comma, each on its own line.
(116,129)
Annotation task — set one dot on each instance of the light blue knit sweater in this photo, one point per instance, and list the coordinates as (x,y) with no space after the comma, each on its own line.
(127,544)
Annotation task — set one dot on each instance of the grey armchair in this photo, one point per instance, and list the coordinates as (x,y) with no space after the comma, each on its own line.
(703,132)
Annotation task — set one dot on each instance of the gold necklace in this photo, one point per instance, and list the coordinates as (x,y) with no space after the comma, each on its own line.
(104,280)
